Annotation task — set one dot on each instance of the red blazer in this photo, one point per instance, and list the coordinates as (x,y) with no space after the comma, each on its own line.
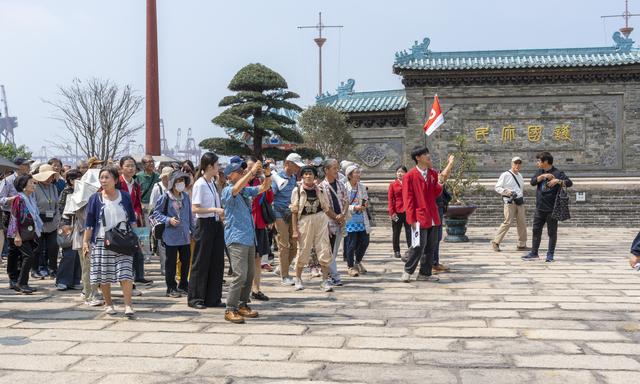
(420,197)
(394,198)
(256,209)
(135,195)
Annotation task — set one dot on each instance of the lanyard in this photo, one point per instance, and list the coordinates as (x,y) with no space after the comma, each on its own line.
(46,195)
(215,195)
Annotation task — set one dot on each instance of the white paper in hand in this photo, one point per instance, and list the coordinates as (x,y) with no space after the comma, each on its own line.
(415,236)
(280,181)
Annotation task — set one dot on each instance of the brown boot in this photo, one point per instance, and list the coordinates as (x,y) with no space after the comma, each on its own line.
(495,247)
(247,312)
(233,316)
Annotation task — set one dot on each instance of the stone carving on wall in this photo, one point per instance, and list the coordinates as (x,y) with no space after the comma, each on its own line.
(609,108)
(608,159)
(371,155)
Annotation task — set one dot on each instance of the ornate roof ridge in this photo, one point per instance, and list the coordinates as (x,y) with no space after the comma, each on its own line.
(346,100)
(420,57)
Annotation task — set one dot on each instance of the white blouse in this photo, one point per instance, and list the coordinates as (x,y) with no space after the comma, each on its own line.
(114,214)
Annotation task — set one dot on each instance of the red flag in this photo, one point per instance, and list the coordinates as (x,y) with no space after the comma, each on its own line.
(435,117)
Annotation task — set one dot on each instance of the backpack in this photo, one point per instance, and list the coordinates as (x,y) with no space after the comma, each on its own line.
(157,229)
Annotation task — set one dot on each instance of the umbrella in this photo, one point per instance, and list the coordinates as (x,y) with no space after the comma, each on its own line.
(6,165)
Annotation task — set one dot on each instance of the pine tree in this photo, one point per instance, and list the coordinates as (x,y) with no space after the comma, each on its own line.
(253,112)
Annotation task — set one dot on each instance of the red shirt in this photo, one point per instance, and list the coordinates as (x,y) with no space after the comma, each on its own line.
(394,198)
(256,209)
(135,195)
(419,197)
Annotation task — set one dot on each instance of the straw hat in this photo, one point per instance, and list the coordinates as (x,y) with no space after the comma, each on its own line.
(44,173)
(166,172)
(94,161)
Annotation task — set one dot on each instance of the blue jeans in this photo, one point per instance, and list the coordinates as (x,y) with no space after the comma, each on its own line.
(356,245)
(635,246)
(69,270)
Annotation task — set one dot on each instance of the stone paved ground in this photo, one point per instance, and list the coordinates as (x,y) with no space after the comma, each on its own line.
(493,319)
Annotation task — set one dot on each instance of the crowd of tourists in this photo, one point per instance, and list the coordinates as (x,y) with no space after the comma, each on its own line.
(80,226)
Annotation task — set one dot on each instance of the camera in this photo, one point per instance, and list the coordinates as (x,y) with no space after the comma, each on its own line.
(512,197)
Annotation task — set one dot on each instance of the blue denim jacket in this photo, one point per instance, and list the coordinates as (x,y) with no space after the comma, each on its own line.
(181,234)
(238,221)
(282,198)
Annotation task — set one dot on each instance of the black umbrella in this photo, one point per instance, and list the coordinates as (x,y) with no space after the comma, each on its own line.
(6,165)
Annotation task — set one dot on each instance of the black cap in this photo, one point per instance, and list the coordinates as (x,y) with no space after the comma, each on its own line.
(21,160)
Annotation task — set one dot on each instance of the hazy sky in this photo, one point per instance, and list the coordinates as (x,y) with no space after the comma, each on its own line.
(202,43)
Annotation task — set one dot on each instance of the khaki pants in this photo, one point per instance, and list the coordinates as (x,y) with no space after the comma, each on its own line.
(287,246)
(90,290)
(313,234)
(512,211)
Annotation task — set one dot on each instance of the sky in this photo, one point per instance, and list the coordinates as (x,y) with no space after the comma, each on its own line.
(203,43)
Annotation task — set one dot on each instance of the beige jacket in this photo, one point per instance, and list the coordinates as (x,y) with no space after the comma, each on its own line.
(299,199)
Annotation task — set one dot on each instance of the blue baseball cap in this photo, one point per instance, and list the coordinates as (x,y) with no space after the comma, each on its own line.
(232,167)
(239,160)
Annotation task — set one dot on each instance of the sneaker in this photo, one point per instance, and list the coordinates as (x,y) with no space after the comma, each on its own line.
(287,281)
(183,292)
(336,282)
(77,287)
(173,293)
(247,312)
(396,254)
(405,256)
(110,310)
(276,271)
(298,284)
(405,277)
(530,256)
(495,247)
(25,289)
(145,282)
(353,272)
(37,275)
(431,278)
(233,316)
(95,303)
(327,286)
(136,292)
(13,285)
(129,313)
(361,269)
(549,258)
(61,287)
(259,296)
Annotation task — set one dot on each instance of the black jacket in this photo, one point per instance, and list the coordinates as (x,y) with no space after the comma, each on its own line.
(545,196)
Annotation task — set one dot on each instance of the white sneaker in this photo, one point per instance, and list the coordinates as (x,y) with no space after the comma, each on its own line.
(298,284)
(94,303)
(287,281)
(110,310)
(327,285)
(315,272)
(405,277)
(136,292)
(276,271)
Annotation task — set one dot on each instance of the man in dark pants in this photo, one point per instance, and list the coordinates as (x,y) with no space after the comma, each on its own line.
(547,180)
(420,188)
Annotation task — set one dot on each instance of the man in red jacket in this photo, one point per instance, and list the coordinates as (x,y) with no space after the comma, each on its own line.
(420,188)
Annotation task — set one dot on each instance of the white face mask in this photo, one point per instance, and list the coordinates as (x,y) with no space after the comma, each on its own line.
(180,187)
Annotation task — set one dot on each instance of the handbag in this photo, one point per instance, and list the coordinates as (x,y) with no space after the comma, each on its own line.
(267,211)
(27,228)
(157,229)
(121,240)
(64,240)
(561,206)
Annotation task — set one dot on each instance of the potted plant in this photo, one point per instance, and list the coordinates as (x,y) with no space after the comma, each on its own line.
(463,181)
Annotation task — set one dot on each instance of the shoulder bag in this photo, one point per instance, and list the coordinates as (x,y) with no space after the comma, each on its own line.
(157,230)
(120,240)
(561,206)
(267,211)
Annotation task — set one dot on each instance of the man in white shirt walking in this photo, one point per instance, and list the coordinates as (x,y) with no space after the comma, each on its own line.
(510,186)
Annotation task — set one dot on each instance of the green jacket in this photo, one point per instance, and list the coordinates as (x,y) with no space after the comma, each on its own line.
(146,185)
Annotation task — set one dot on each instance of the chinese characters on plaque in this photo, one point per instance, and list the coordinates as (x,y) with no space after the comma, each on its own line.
(534,133)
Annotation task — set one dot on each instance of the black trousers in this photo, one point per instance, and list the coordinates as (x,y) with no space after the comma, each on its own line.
(356,244)
(13,260)
(172,252)
(423,254)
(69,269)
(207,268)
(396,226)
(138,266)
(539,220)
(47,252)
(27,254)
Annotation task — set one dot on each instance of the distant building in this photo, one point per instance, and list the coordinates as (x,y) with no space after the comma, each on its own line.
(581,104)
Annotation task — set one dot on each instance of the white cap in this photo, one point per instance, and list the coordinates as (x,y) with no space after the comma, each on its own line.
(350,169)
(516,158)
(296,159)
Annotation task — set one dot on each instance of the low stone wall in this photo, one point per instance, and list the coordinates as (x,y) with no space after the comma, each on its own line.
(611,203)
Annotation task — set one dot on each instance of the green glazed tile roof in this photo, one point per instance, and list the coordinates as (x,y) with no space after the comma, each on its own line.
(421,58)
(346,100)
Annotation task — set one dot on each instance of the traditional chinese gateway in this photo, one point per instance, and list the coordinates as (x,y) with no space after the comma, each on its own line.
(581,104)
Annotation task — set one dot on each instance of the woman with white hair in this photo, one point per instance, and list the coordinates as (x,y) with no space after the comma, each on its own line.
(358,226)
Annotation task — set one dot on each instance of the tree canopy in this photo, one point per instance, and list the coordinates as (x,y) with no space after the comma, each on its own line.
(257,111)
(326,130)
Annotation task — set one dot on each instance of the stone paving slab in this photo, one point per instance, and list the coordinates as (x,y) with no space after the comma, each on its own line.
(492,319)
